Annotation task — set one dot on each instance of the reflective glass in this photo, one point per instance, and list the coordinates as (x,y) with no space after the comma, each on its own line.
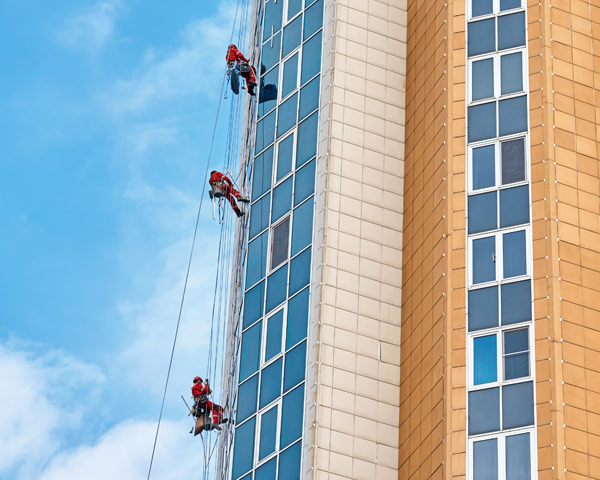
(281,243)
(291,36)
(273,17)
(482,37)
(282,199)
(268,92)
(292,417)
(311,58)
(512,115)
(513,247)
(484,264)
(513,161)
(259,215)
(482,121)
(511,73)
(481,7)
(243,450)
(485,459)
(288,111)
(265,133)
(302,228)
(482,212)
(257,259)
(509,4)
(516,302)
(305,183)
(511,30)
(274,335)
(518,457)
(306,147)
(483,308)
(483,79)
(289,462)
(268,471)
(297,318)
(484,172)
(484,411)
(485,369)
(276,288)
(517,405)
(514,206)
(309,97)
(253,304)
(261,176)
(268,433)
(294,6)
(270,53)
(516,354)
(300,271)
(247,399)
(516,341)
(270,383)
(295,363)
(313,19)
(285,152)
(250,354)
(290,76)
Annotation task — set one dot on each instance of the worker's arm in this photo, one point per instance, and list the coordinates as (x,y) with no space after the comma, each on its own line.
(226,179)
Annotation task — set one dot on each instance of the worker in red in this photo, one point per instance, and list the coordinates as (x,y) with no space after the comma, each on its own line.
(247,71)
(222,186)
(200,391)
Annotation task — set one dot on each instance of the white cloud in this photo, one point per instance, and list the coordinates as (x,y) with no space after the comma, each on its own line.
(142,137)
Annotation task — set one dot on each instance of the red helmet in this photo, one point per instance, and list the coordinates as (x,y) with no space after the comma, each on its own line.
(196,379)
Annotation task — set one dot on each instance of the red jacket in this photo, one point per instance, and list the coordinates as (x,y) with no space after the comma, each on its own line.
(234,55)
(200,389)
(219,177)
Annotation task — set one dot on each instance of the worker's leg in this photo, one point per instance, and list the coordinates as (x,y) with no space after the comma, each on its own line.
(234,205)
(237,195)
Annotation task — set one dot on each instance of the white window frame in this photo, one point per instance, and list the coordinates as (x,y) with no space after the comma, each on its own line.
(297,50)
(275,404)
(274,181)
(495,10)
(263,353)
(286,216)
(285,21)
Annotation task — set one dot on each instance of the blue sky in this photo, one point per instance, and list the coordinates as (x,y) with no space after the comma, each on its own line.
(107,110)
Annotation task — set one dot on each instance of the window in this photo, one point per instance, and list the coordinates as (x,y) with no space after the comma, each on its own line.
(253,304)
(268,433)
(482,37)
(512,115)
(311,58)
(282,199)
(270,52)
(257,259)
(290,76)
(305,183)
(485,357)
(498,164)
(511,30)
(291,421)
(267,471)
(300,271)
(291,36)
(272,21)
(265,133)
(482,122)
(285,157)
(259,215)
(247,399)
(295,365)
(294,6)
(302,227)
(313,19)
(309,98)
(482,79)
(485,459)
(276,288)
(496,75)
(270,383)
(513,161)
(250,352)
(274,335)
(279,244)
(307,140)
(261,176)
(516,354)
(511,73)
(513,210)
(481,7)
(243,450)
(503,456)
(297,318)
(289,462)
(288,112)
(484,411)
(268,86)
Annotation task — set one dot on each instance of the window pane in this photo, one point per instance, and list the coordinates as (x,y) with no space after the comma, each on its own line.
(484,160)
(484,266)
(516,351)
(485,369)
(288,112)
(268,433)
(250,354)
(281,243)
(483,308)
(305,183)
(273,16)
(313,19)
(268,471)
(265,133)
(297,319)
(516,302)
(518,461)
(285,152)
(259,215)
(282,200)
(243,451)
(253,304)
(276,288)
(270,53)
(291,36)
(300,271)
(261,176)
(257,259)
(295,362)
(292,417)
(306,147)
(509,4)
(294,6)
(481,7)
(247,399)
(482,122)
(484,411)
(514,206)
(485,459)
(511,30)
(513,161)
(309,97)
(514,254)
(513,115)
(511,72)
(311,58)
(302,229)
(483,212)
(516,341)
(274,335)
(482,37)
(483,79)
(290,76)
(289,462)
(268,92)
(270,383)
(517,405)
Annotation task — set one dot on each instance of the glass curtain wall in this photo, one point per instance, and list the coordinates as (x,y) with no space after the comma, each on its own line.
(270,408)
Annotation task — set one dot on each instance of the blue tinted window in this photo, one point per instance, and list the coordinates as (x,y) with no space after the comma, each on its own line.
(294,6)
(282,199)
(297,319)
(482,37)
(482,212)
(276,288)
(311,58)
(302,227)
(511,73)
(270,53)
(484,265)
(257,259)
(280,244)
(253,304)
(516,354)
(484,175)
(268,471)
(513,245)
(306,147)
(259,217)
(290,76)
(261,176)
(512,115)
(518,461)
(291,36)
(291,417)
(313,19)
(509,4)
(485,369)
(295,362)
(484,411)
(305,183)
(265,132)
(482,122)
(517,405)
(274,334)
(300,271)
(243,450)
(483,308)
(288,112)
(247,399)
(268,92)
(481,7)
(309,97)
(516,302)
(273,17)
(285,153)
(270,383)
(268,432)
(511,30)
(483,79)
(514,206)
(513,161)
(250,355)
(289,462)
(485,459)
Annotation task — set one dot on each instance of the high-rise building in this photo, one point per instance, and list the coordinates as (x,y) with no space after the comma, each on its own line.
(419,282)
